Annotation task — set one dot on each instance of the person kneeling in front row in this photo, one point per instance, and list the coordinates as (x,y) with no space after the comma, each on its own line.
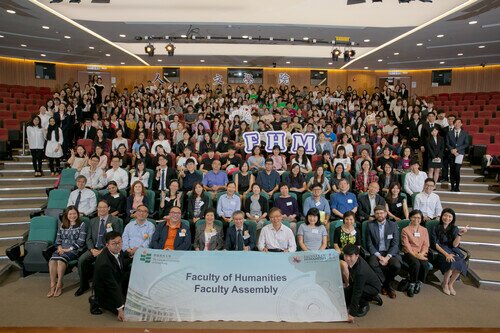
(364,284)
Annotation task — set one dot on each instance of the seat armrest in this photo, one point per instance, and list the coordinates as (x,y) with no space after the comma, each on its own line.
(14,252)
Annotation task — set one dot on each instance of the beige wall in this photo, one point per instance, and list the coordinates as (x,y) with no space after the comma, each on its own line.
(473,79)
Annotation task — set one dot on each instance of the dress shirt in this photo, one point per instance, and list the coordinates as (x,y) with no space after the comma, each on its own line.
(373,203)
(88,201)
(322,205)
(95,180)
(414,183)
(381,235)
(227,205)
(215,179)
(120,176)
(144,181)
(36,139)
(344,202)
(429,204)
(283,239)
(137,235)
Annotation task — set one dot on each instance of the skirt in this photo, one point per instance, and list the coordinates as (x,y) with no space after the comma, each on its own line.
(66,257)
(458,265)
(435,165)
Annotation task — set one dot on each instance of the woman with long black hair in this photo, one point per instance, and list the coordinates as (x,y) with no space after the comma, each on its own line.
(36,142)
(54,147)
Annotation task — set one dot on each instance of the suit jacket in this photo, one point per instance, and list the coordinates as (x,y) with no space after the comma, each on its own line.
(461,144)
(93,229)
(364,207)
(91,133)
(110,280)
(391,231)
(170,174)
(216,241)
(381,179)
(161,233)
(190,206)
(425,132)
(362,279)
(231,238)
(435,150)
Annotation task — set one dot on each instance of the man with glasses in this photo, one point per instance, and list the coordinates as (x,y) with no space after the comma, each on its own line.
(111,277)
(101,224)
(276,237)
(138,232)
(238,236)
(428,202)
(172,234)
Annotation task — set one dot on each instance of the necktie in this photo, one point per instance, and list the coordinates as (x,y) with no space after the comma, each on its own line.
(86,131)
(100,235)
(78,198)
(432,126)
(162,181)
(456,135)
(239,241)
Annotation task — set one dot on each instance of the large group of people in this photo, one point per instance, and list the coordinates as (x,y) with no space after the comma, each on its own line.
(176,153)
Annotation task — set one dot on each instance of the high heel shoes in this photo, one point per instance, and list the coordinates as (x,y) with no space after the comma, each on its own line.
(51,291)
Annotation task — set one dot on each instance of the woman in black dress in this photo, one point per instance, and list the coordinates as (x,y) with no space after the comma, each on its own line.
(396,203)
(435,154)
(116,200)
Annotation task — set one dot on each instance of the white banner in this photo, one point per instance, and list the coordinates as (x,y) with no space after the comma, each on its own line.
(235,286)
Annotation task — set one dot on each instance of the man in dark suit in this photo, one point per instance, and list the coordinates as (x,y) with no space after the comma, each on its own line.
(97,228)
(425,134)
(383,246)
(87,131)
(173,234)
(457,143)
(367,202)
(164,174)
(238,237)
(110,277)
(364,285)
(446,157)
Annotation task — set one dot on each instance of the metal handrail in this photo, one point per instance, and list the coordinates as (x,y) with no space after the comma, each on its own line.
(23,152)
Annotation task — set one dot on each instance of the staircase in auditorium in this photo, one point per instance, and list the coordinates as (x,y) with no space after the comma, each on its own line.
(476,206)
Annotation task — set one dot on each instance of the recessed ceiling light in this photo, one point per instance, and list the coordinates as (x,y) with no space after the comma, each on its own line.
(202,60)
(292,39)
(472,22)
(380,60)
(245,61)
(244,36)
(1,36)
(122,63)
(159,60)
(91,47)
(250,37)
(24,45)
(108,55)
(460,54)
(481,46)
(43,55)
(440,36)
(45,27)
(228,37)
(330,63)
(396,53)
(288,62)
(366,40)
(441,62)
(183,36)
(271,38)
(123,36)
(305,38)
(420,44)
(366,67)
(10,11)
(67,37)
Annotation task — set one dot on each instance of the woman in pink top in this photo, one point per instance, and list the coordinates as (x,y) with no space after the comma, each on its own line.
(415,241)
(279,161)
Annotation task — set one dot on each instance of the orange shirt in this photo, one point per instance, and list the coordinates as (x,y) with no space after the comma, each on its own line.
(172,233)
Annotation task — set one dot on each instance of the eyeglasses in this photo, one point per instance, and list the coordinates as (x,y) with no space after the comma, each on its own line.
(142,211)
(116,243)
(175,213)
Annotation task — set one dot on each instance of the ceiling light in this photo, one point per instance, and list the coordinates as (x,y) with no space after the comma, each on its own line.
(314,41)
(420,44)
(440,36)
(1,36)
(366,40)
(330,63)
(108,55)
(43,55)
(45,27)
(481,46)
(228,37)
(244,36)
(396,53)
(170,48)
(208,37)
(292,39)
(271,38)
(10,11)
(245,61)
(472,22)
(150,50)
(305,38)
(23,45)
(159,60)
(91,47)
(380,60)
(366,67)
(202,60)
(67,37)
(460,54)
(250,37)
(122,63)
(441,62)
(123,36)
(183,36)
(288,62)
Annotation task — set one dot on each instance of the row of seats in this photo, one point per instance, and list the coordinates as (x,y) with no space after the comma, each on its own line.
(465,96)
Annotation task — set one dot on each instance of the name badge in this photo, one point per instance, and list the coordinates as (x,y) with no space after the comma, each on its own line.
(315,231)
(167,199)
(349,201)
(318,203)
(182,234)
(109,229)
(246,236)
(416,234)
(289,203)
(399,204)
(390,236)
(201,203)
(353,232)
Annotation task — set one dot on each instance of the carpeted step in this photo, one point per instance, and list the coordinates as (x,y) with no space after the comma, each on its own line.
(486,271)
(483,252)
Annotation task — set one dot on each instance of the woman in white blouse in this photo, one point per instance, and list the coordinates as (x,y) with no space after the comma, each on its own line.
(53,149)
(163,142)
(36,142)
(118,140)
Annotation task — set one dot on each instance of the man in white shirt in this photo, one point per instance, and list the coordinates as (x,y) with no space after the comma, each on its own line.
(428,202)
(96,179)
(276,237)
(119,175)
(83,198)
(415,179)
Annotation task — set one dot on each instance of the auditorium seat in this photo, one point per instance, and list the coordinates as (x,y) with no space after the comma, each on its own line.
(9,100)
(12,124)
(493,149)
(472,128)
(469,97)
(32,108)
(494,121)
(464,103)
(478,121)
(493,129)
(23,116)
(490,107)
(481,139)
(4,134)
(4,114)
(474,108)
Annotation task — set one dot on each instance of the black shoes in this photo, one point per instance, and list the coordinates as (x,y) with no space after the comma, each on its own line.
(81,291)
(418,285)
(378,300)
(411,290)
(362,311)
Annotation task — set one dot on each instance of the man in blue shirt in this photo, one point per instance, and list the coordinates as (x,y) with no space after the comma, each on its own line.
(316,200)
(343,201)
(268,179)
(329,133)
(228,203)
(137,232)
(216,180)
(190,176)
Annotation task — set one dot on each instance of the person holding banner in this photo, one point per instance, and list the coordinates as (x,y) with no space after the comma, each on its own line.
(239,237)
(173,234)
(276,237)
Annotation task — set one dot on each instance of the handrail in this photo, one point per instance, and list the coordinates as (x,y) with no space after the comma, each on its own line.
(23,152)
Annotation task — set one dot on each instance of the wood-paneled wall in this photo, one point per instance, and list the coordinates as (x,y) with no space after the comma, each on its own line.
(472,79)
